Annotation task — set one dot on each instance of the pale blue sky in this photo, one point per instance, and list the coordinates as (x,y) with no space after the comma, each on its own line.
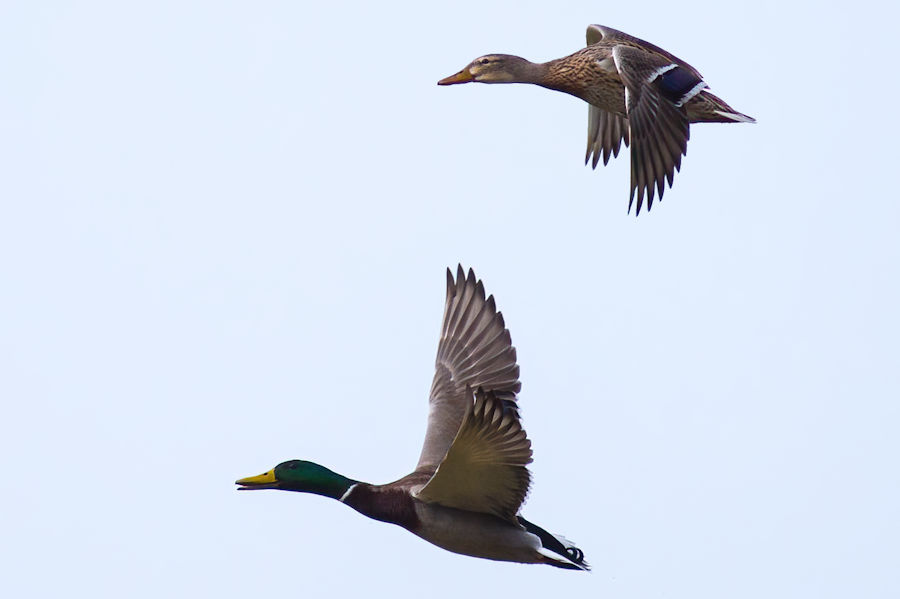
(223,234)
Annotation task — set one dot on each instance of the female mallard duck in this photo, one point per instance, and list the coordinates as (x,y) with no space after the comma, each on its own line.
(637,92)
(471,479)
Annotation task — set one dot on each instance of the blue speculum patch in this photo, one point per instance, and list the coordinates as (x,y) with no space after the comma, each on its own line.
(675,83)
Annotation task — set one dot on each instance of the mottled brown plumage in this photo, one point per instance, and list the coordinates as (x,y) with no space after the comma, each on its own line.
(638,94)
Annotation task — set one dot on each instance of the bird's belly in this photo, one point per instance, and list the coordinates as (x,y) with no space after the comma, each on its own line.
(476,534)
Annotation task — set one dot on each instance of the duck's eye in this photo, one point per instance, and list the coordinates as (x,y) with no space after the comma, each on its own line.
(484,61)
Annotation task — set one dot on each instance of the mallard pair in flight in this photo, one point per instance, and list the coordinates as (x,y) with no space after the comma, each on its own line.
(472,476)
(638,94)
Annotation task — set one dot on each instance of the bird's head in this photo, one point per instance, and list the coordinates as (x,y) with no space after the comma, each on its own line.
(491,68)
(299,475)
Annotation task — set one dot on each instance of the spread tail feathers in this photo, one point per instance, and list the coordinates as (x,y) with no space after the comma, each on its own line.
(709,108)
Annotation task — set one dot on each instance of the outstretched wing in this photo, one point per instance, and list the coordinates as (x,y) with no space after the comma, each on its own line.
(485,468)
(597,33)
(657,85)
(475,351)
(655,89)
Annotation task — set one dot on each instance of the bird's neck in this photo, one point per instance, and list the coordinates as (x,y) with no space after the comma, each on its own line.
(532,72)
(326,483)
(556,75)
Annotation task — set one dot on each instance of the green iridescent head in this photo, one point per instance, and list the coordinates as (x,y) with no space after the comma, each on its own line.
(302,476)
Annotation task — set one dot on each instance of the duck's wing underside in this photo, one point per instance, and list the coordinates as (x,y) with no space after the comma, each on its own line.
(474,351)
(606,132)
(485,469)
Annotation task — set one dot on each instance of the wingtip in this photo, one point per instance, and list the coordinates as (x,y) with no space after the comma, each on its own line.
(637,204)
(479,288)
(491,305)
(500,321)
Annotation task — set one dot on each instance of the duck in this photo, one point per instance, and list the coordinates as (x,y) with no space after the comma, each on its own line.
(638,94)
(471,479)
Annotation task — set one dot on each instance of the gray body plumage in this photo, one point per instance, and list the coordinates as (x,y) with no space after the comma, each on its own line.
(478,534)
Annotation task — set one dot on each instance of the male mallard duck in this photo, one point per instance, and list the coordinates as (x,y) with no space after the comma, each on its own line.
(471,479)
(637,92)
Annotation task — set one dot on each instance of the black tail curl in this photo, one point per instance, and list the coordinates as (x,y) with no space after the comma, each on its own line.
(574,554)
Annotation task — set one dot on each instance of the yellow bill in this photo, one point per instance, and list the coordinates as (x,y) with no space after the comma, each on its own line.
(263,481)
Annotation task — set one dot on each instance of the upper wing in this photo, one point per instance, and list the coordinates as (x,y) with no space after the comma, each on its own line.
(597,33)
(474,350)
(485,468)
(655,89)
(657,84)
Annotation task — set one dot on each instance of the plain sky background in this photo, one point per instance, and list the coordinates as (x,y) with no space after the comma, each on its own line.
(223,234)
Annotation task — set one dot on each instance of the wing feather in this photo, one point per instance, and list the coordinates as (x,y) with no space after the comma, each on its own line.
(485,469)
(658,129)
(475,350)
(606,132)
(596,33)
